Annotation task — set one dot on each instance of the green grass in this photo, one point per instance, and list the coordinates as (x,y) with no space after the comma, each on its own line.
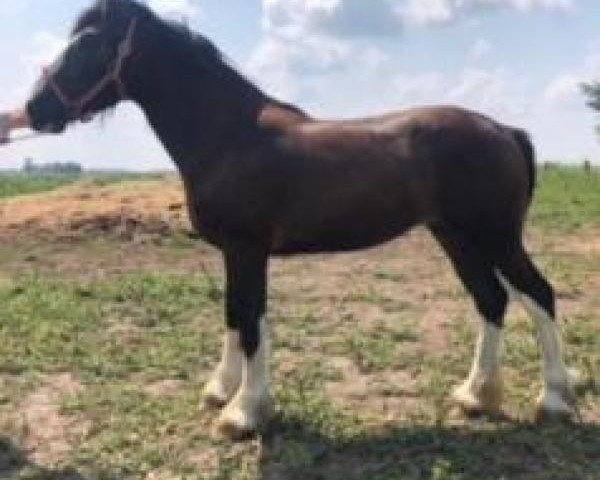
(567,199)
(17,184)
(381,349)
(115,338)
(13,184)
(54,326)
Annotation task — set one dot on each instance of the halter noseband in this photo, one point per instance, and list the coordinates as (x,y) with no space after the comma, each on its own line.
(113,75)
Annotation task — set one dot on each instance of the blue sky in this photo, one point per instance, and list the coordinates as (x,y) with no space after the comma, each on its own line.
(518,60)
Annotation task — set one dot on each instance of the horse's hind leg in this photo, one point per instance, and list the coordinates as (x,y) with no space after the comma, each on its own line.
(522,279)
(482,390)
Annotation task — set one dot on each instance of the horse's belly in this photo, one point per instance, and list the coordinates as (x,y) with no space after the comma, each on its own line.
(338,236)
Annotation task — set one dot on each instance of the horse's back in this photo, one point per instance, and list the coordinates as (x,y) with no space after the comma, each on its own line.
(424,165)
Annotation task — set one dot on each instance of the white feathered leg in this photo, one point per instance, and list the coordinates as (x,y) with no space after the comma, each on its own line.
(228,375)
(252,406)
(482,391)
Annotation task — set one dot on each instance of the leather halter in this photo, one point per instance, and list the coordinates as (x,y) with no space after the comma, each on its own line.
(113,75)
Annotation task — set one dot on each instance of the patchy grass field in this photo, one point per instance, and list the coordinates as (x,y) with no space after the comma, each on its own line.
(110,321)
(568,199)
(12,184)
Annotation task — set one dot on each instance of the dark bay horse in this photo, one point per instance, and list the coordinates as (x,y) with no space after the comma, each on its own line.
(264,179)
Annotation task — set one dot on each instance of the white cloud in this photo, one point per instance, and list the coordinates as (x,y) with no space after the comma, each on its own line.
(332,17)
(567,85)
(307,37)
(563,87)
(527,5)
(435,12)
(309,54)
(303,38)
(494,91)
(424,12)
(186,10)
(381,17)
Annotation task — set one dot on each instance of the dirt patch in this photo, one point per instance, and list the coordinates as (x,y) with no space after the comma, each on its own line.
(434,327)
(388,393)
(132,212)
(164,388)
(47,433)
(585,242)
(406,284)
(206,461)
(125,331)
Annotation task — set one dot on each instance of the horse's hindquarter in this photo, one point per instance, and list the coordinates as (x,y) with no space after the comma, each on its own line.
(482,177)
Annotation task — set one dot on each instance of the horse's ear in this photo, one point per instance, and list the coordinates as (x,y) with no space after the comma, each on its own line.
(116,8)
(108,7)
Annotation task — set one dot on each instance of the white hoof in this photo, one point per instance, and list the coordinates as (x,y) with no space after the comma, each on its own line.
(219,391)
(576,379)
(244,417)
(556,405)
(474,399)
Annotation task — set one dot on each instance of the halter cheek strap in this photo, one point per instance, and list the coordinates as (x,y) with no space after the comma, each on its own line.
(112,76)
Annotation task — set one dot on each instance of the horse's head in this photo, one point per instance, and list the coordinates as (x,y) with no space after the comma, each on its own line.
(90,74)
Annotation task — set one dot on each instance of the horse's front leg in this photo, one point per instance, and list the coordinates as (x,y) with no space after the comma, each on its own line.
(251,406)
(227,377)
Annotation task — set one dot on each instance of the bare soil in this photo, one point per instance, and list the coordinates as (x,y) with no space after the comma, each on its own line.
(153,208)
(48,433)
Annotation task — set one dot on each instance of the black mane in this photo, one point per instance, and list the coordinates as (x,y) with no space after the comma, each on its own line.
(196,47)
(104,10)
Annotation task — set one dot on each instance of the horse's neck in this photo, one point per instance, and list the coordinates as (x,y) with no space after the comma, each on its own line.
(191,135)
(197,119)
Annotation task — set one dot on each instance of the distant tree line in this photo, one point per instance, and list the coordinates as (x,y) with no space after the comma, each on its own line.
(54,168)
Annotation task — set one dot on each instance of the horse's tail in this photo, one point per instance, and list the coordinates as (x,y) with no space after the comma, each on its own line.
(524,141)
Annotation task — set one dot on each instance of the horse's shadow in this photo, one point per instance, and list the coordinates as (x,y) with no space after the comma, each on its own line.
(515,451)
(294,450)
(14,464)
